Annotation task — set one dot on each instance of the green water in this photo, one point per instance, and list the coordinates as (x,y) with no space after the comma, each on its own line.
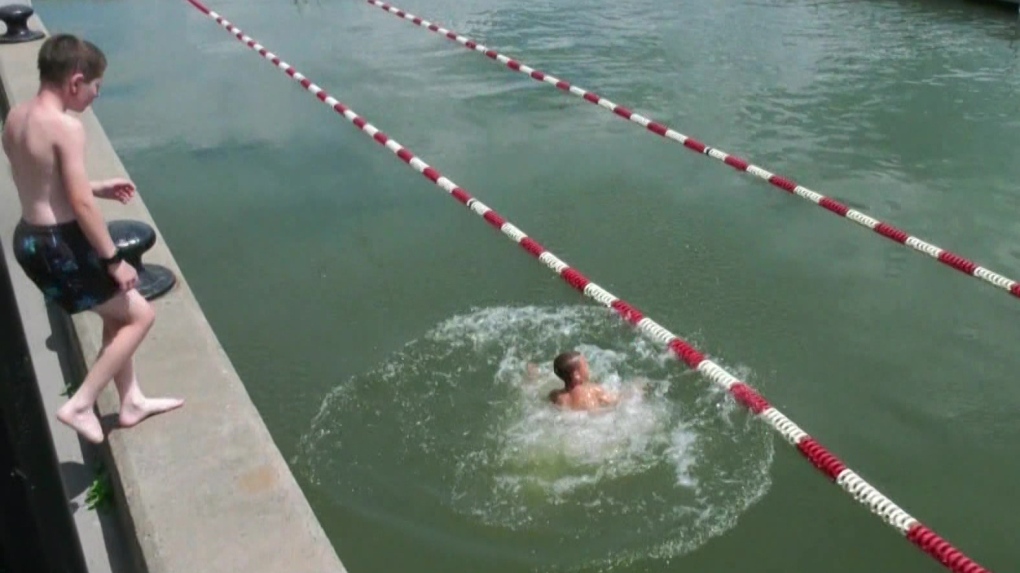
(382,329)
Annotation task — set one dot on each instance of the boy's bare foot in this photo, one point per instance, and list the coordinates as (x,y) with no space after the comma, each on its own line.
(83,421)
(131,413)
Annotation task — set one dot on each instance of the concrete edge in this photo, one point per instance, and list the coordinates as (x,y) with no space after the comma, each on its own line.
(203,488)
(53,347)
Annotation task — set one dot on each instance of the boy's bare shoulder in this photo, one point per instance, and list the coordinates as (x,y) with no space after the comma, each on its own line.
(15,117)
(53,122)
(68,123)
(67,131)
(556,396)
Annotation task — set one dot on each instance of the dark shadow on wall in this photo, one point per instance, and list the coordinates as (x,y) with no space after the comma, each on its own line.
(36,530)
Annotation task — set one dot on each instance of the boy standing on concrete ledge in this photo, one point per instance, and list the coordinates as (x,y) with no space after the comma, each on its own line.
(62,242)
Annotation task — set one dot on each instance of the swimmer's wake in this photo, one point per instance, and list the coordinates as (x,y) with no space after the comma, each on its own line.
(646,478)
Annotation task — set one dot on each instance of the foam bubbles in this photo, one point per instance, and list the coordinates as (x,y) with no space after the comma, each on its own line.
(457,424)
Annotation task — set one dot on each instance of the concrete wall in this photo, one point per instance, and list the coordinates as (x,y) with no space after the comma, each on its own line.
(204,488)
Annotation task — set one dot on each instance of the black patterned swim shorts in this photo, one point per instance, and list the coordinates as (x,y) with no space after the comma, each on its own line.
(60,261)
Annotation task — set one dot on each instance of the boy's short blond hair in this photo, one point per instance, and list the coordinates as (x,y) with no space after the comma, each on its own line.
(64,55)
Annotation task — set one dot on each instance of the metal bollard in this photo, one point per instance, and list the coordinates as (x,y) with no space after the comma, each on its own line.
(134,238)
(15,17)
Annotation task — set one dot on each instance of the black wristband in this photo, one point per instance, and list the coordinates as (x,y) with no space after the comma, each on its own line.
(116,258)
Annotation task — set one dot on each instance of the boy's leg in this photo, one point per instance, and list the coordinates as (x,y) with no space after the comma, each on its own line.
(133,316)
(134,406)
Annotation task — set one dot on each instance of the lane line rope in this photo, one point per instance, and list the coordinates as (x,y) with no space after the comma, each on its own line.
(817,454)
(948,258)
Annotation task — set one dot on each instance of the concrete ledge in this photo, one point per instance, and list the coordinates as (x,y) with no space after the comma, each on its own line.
(203,488)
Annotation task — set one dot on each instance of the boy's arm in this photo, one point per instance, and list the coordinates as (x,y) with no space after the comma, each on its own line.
(71,158)
(118,189)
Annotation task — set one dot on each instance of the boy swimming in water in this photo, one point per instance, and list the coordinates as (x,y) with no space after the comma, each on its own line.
(62,242)
(578,392)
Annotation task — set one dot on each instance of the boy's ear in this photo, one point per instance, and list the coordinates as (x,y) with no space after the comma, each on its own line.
(75,82)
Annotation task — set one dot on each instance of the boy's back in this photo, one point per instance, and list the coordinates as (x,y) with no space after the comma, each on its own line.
(587,396)
(32,135)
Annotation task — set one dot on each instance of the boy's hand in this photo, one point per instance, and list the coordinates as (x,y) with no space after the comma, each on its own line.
(118,189)
(124,274)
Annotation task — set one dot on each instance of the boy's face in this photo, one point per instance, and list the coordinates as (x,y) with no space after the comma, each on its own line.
(81,93)
(582,374)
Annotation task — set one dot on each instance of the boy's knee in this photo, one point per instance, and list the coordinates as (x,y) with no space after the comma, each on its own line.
(149,314)
(144,314)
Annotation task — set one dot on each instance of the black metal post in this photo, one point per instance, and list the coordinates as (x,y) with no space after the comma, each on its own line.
(15,17)
(134,238)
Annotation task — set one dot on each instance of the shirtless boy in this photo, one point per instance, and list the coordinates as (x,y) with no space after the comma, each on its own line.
(579,392)
(62,242)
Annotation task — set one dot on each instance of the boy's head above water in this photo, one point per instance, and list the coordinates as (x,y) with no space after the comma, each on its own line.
(572,368)
(73,68)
